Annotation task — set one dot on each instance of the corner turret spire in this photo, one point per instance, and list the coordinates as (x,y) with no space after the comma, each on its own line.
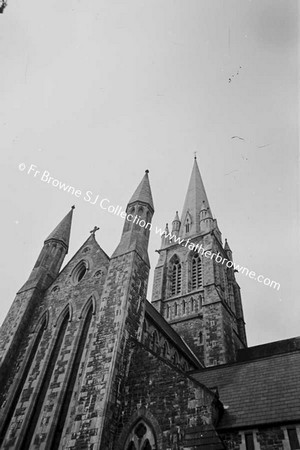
(52,255)
(137,226)
(63,230)
(142,193)
(194,200)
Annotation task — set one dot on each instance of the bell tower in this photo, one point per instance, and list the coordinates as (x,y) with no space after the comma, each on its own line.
(194,291)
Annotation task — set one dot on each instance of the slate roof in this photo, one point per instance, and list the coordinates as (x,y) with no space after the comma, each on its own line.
(256,392)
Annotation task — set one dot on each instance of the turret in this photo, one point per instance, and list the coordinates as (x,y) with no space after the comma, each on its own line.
(228,250)
(137,226)
(206,220)
(176,224)
(165,240)
(52,255)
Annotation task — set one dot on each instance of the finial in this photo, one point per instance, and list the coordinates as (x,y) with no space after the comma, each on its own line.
(93,231)
(195,155)
(146,171)
(73,207)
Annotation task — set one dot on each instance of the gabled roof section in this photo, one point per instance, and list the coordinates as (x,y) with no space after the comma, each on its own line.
(194,199)
(166,329)
(256,392)
(143,192)
(90,241)
(63,230)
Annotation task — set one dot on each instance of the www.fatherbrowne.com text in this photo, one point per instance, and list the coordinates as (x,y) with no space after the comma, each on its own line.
(104,203)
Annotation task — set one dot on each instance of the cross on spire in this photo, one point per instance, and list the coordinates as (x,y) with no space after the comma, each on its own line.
(93,231)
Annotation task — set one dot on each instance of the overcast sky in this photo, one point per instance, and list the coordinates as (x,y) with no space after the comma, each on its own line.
(96,92)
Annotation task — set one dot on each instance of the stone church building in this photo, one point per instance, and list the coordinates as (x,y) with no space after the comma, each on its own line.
(87,362)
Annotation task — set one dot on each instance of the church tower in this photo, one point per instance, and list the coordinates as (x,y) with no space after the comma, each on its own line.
(194,284)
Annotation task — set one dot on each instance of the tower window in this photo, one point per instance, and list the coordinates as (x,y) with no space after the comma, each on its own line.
(176,278)
(187,227)
(192,304)
(197,281)
(183,307)
(168,311)
(175,309)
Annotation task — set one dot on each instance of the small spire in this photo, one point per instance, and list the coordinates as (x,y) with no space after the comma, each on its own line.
(176,218)
(226,245)
(143,192)
(63,230)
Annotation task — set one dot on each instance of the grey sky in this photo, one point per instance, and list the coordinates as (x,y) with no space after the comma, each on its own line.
(96,92)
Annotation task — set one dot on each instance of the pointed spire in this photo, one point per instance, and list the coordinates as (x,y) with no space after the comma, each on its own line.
(176,224)
(63,230)
(228,250)
(226,245)
(143,192)
(137,225)
(195,200)
(176,218)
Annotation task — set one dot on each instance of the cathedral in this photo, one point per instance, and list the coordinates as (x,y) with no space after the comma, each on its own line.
(87,362)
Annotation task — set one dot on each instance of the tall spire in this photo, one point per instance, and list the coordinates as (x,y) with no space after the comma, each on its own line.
(143,192)
(193,203)
(63,230)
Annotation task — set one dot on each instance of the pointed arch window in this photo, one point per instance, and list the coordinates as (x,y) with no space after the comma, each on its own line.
(71,382)
(197,279)
(24,375)
(155,340)
(192,305)
(165,349)
(141,437)
(175,309)
(176,277)
(175,358)
(45,383)
(128,221)
(188,223)
(168,311)
(183,306)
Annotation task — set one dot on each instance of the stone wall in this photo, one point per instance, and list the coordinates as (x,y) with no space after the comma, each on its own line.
(165,397)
